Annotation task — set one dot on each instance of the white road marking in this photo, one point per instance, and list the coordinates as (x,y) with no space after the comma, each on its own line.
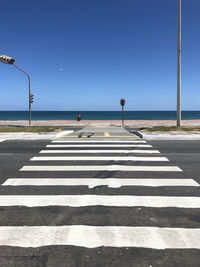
(99,200)
(97,236)
(98,141)
(89,145)
(99,158)
(103,168)
(101,151)
(91,183)
(1,140)
(64,133)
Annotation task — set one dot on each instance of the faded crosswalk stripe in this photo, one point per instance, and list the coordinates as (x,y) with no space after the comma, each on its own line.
(94,158)
(102,200)
(92,182)
(103,168)
(101,151)
(89,145)
(97,236)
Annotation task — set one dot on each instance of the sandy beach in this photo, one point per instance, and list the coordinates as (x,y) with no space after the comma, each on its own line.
(99,123)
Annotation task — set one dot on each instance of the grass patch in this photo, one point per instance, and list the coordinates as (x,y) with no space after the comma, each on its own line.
(170,129)
(30,129)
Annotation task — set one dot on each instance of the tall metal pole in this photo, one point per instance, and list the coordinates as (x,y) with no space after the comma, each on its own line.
(29,89)
(122,115)
(179,67)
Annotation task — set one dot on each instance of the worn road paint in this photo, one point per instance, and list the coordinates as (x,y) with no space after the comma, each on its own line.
(106,134)
(102,200)
(89,145)
(101,151)
(103,168)
(85,158)
(97,236)
(91,183)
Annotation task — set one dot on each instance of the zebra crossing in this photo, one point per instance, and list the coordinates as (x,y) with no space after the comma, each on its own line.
(77,169)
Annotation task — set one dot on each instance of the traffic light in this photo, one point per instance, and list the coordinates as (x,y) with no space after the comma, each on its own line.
(122,102)
(6,60)
(31,98)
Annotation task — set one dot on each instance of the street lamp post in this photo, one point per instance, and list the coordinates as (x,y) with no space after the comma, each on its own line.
(11,61)
(29,91)
(179,67)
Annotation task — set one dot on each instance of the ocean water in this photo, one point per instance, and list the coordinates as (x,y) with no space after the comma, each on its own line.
(97,115)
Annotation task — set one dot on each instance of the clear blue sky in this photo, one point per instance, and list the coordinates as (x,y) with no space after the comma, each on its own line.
(87,54)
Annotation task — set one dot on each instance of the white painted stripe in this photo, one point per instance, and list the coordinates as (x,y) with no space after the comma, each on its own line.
(89,145)
(101,151)
(98,236)
(103,168)
(96,200)
(64,133)
(91,183)
(99,158)
(1,140)
(97,141)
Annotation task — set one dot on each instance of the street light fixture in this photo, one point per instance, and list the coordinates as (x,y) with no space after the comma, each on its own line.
(9,60)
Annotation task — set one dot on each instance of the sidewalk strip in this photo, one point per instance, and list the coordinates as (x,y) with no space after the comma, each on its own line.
(101,151)
(103,168)
(99,158)
(98,236)
(102,200)
(91,183)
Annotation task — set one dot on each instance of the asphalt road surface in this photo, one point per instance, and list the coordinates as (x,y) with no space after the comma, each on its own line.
(99,198)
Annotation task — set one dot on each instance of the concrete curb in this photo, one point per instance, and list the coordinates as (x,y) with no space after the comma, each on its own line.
(33,136)
(137,133)
(169,136)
